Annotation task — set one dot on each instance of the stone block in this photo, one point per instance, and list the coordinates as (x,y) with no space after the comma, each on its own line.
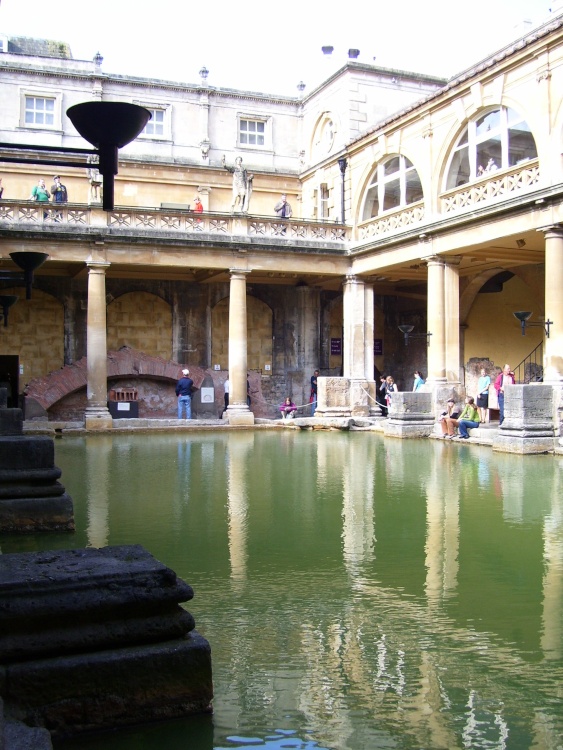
(528,425)
(96,638)
(410,415)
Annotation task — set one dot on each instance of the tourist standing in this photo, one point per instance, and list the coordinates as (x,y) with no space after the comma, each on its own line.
(283,208)
(418,381)
(184,388)
(390,389)
(40,192)
(313,396)
(483,395)
(503,380)
(381,397)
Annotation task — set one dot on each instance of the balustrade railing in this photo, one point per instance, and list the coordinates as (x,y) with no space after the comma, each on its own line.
(392,221)
(494,186)
(171,220)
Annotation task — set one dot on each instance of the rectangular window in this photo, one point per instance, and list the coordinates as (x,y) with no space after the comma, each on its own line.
(40,111)
(324,194)
(252,132)
(155,126)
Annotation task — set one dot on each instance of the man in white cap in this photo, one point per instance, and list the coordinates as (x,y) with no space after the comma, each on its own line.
(184,392)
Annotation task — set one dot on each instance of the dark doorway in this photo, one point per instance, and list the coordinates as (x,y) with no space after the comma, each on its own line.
(9,377)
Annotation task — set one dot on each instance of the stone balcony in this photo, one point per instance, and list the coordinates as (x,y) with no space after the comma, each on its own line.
(181,223)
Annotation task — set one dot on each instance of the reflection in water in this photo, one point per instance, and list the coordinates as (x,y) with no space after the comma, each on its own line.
(357,592)
(97,484)
(238,460)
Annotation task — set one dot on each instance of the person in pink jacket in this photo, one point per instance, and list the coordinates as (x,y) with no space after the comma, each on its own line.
(504,379)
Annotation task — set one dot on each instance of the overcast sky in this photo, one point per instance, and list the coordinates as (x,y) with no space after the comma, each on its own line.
(272,46)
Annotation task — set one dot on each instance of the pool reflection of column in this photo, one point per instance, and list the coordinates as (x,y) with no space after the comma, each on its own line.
(239,446)
(358,532)
(97,474)
(442,527)
(552,615)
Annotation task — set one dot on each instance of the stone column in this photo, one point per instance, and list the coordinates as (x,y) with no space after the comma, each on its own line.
(308,322)
(553,351)
(369,358)
(354,365)
(451,302)
(436,314)
(354,328)
(238,411)
(97,415)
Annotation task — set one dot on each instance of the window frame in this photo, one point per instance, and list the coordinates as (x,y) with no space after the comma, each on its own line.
(54,96)
(470,140)
(380,179)
(266,121)
(153,107)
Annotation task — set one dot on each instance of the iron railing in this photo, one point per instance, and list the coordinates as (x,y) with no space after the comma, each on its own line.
(530,369)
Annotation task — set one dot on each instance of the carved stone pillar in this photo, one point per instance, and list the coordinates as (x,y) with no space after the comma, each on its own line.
(354,328)
(97,415)
(238,411)
(436,320)
(553,351)
(452,335)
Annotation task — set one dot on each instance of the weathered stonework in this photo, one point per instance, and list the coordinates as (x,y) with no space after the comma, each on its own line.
(342,397)
(31,498)
(528,420)
(410,415)
(95,638)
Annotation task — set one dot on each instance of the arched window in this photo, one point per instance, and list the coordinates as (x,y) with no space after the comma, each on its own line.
(394,183)
(499,139)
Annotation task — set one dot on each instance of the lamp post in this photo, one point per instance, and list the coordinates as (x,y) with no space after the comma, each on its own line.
(524,316)
(342,163)
(407,329)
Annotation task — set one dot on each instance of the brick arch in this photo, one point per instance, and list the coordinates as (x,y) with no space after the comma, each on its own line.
(125,362)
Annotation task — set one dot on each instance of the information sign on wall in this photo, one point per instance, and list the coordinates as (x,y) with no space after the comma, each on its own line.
(336,346)
(378,347)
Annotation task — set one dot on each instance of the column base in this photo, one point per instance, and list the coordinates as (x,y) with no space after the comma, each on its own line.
(239,415)
(98,418)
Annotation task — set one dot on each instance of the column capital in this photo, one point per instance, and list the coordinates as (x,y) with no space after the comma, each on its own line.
(552,231)
(351,278)
(434,260)
(98,265)
(239,273)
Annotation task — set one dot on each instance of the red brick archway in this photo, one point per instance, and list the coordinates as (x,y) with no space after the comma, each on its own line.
(124,363)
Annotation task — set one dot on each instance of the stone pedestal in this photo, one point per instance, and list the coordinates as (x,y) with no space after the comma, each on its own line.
(92,639)
(31,498)
(528,420)
(343,397)
(410,415)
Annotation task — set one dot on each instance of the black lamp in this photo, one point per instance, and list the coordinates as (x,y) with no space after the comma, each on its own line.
(6,301)
(108,126)
(524,316)
(28,262)
(406,330)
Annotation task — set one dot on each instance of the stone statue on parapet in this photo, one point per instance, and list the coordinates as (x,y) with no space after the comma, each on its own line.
(95,180)
(242,186)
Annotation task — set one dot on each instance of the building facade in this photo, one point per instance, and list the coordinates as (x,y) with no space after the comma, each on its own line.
(415,201)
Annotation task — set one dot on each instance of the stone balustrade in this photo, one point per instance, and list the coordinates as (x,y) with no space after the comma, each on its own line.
(493,186)
(171,220)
